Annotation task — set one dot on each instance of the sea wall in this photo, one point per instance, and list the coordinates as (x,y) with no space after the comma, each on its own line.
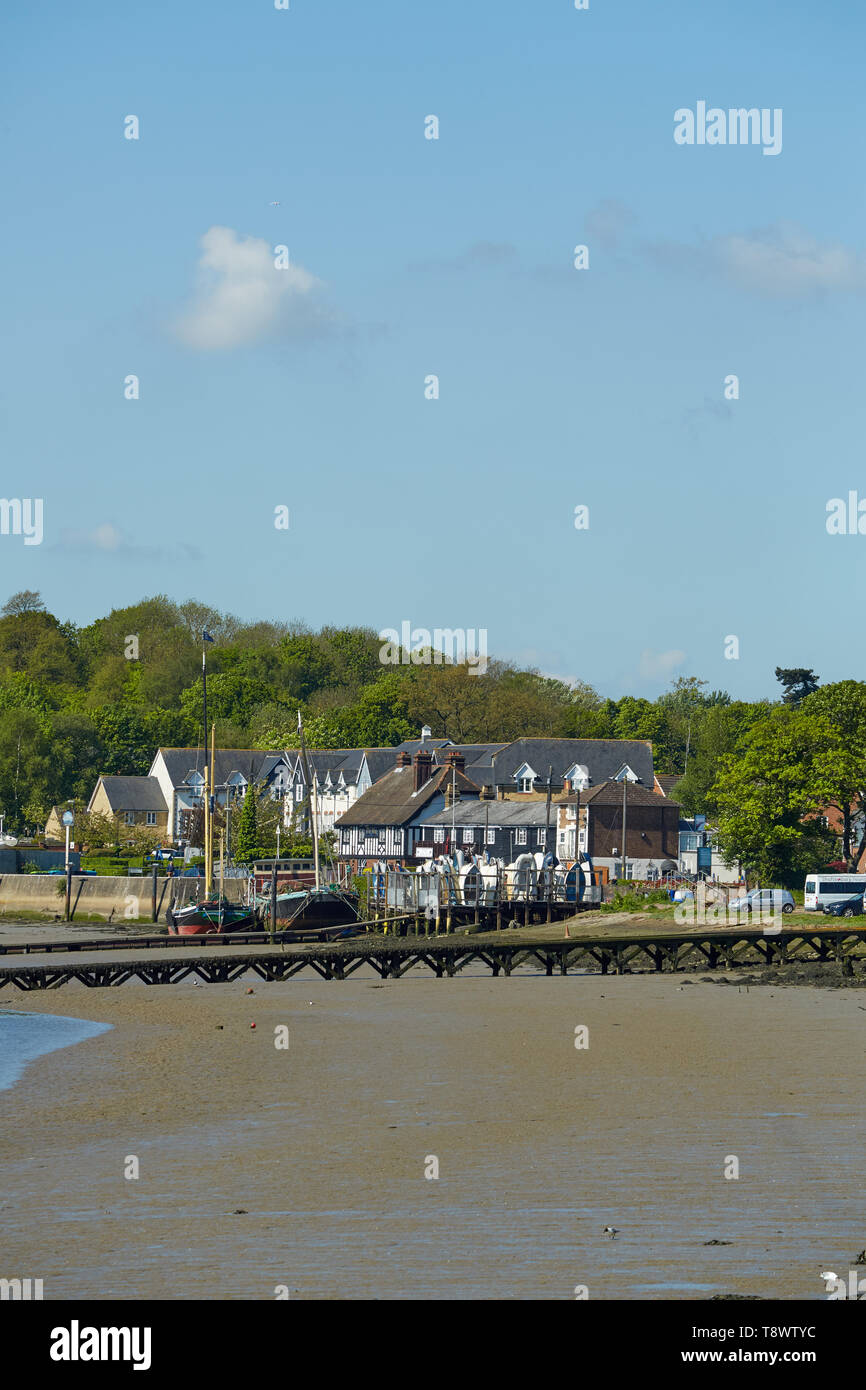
(125,898)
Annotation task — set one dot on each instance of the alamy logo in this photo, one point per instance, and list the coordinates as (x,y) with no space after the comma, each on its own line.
(22,517)
(703,911)
(419,647)
(20,1290)
(736,126)
(76,1343)
(846,519)
(835,1288)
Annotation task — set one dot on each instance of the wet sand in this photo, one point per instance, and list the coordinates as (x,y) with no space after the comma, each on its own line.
(539,1145)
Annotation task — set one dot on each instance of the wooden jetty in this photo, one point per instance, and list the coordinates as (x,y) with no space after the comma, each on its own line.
(620,954)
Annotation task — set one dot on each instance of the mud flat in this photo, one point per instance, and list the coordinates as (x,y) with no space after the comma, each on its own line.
(305,1166)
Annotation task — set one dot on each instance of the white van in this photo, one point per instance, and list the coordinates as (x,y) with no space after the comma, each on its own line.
(823,889)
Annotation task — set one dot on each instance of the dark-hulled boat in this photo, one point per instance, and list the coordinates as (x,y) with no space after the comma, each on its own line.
(306,908)
(210,915)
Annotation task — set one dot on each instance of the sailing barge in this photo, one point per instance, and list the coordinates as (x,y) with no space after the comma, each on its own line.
(213,912)
(302,905)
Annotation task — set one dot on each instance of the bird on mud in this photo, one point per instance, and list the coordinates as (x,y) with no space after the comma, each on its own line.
(612,1231)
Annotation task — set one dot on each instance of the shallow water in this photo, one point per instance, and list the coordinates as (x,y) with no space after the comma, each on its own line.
(24,1037)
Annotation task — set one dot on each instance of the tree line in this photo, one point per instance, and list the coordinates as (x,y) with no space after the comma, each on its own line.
(80,701)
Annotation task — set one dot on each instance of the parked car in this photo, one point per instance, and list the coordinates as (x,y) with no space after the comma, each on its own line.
(848,907)
(764,900)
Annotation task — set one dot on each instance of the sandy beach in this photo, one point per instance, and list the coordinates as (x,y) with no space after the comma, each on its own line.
(305,1167)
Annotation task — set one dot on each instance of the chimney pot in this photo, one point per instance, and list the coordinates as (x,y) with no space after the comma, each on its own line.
(421,769)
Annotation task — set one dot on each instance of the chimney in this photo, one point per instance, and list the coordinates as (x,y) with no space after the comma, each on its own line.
(403,760)
(456,759)
(422,769)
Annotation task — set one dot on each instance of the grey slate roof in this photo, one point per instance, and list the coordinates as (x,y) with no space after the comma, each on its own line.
(604,757)
(482,773)
(473,752)
(429,745)
(133,793)
(610,794)
(251,763)
(348,761)
(392,801)
(497,813)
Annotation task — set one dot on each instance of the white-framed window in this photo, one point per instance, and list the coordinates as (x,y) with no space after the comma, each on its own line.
(582,837)
(468,834)
(130,818)
(490,837)
(151,818)
(439,835)
(525,784)
(541,837)
(521,837)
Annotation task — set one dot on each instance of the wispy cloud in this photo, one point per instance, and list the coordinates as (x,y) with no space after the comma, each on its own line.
(722,411)
(106,539)
(481,255)
(607,223)
(655,666)
(242,297)
(781,261)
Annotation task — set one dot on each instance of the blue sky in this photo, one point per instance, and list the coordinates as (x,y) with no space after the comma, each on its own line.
(558,387)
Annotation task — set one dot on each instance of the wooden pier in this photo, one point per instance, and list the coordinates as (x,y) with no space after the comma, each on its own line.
(620,954)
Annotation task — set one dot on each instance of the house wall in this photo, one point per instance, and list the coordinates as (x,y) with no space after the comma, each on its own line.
(371,842)
(159,770)
(501,842)
(653,833)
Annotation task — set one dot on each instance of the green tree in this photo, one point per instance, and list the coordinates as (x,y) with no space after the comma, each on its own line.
(717,733)
(246,846)
(842,770)
(768,794)
(797,682)
(25,601)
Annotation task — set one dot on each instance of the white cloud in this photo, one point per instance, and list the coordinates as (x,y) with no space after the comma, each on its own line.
(786,260)
(241,295)
(654,666)
(782,261)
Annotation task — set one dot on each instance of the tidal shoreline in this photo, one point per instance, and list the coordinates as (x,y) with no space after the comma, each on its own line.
(304,1167)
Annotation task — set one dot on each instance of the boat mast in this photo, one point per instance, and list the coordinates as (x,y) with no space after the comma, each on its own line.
(208,859)
(305,764)
(208,782)
(222,874)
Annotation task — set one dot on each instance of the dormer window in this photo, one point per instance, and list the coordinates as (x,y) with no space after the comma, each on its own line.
(525,777)
(577,777)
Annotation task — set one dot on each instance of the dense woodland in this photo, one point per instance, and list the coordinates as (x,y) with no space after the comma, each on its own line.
(76,702)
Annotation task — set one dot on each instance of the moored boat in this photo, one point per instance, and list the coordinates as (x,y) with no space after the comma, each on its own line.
(210,915)
(310,907)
